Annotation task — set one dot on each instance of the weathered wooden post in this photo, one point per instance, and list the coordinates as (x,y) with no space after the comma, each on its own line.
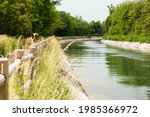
(32,50)
(40,49)
(18,55)
(4,71)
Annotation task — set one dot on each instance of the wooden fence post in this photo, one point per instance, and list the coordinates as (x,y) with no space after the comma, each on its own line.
(40,49)
(32,50)
(4,71)
(18,55)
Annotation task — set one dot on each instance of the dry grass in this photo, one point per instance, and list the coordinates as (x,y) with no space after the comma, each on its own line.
(7,45)
(48,84)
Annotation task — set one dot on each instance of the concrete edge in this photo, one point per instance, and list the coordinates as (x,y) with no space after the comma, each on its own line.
(135,46)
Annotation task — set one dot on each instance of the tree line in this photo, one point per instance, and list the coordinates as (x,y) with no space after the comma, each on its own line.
(24,17)
(129,21)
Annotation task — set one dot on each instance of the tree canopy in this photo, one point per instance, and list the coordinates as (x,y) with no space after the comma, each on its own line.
(129,18)
(24,17)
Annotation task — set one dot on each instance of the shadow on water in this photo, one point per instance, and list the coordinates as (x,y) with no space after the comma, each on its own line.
(110,73)
(133,71)
(77,49)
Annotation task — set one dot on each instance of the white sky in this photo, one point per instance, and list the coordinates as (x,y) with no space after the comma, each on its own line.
(88,9)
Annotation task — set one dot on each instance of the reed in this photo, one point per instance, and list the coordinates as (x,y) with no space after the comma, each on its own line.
(9,44)
(48,83)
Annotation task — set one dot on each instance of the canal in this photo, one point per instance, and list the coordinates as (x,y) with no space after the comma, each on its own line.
(111,73)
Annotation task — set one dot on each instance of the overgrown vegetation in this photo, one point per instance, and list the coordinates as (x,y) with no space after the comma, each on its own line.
(76,26)
(48,83)
(129,21)
(7,45)
(23,17)
(130,38)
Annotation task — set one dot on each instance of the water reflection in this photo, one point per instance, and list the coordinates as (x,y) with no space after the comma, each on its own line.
(77,49)
(110,73)
(134,71)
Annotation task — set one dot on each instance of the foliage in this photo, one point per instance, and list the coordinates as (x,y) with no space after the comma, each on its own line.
(71,26)
(129,19)
(24,17)
(130,38)
(15,18)
(96,28)
(76,26)
(44,17)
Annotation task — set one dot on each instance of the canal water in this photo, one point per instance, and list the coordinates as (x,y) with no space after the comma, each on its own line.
(111,73)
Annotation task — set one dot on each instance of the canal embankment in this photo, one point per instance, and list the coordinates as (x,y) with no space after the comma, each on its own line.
(64,42)
(136,46)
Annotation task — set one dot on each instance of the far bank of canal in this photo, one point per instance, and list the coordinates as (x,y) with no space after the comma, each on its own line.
(111,73)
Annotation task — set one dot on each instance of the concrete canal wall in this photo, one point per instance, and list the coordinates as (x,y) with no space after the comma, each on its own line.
(136,46)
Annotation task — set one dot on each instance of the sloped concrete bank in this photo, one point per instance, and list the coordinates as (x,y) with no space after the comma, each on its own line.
(136,46)
(72,81)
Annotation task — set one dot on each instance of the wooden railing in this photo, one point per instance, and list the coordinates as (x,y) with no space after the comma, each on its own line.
(6,70)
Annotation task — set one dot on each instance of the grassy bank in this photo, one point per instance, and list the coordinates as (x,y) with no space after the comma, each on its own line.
(48,84)
(130,38)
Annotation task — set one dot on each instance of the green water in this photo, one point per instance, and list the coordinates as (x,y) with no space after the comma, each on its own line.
(111,73)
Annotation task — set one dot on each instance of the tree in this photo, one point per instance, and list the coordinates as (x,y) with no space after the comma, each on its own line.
(15,19)
(96,28)
(23,17)
(44,17)
(71,26)
(129,18)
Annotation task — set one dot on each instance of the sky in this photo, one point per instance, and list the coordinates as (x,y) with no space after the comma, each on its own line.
(89,9)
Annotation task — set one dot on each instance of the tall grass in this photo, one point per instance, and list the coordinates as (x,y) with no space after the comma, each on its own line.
(9,44)
(48,84)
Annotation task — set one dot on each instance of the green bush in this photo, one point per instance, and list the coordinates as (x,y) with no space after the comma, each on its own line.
(130,38)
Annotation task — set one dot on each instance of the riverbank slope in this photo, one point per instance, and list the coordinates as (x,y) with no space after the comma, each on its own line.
(136,46)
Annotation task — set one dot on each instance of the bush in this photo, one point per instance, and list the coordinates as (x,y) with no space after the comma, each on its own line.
(130,38)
